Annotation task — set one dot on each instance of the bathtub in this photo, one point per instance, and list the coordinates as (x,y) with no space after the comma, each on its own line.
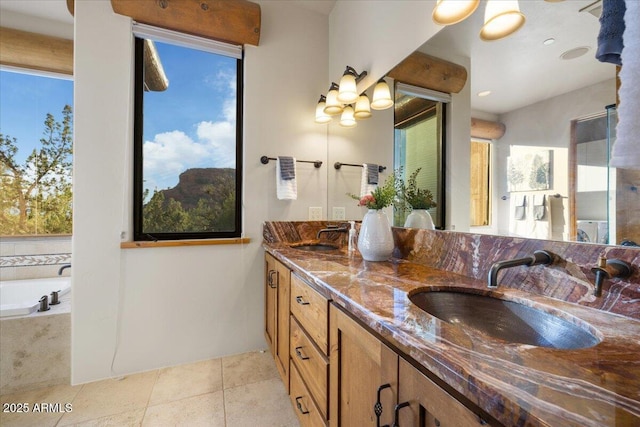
(21,297)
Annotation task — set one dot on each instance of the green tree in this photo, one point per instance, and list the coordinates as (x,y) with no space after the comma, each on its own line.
(42,184)
(162,216)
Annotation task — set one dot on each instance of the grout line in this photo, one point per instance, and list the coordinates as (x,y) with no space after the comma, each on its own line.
(146,406)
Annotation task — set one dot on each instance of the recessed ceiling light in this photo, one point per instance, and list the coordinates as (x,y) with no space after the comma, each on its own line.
(547,42)
(575,53)
(484,93)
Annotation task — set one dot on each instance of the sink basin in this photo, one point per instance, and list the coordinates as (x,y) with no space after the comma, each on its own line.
(506,320)
(315,248)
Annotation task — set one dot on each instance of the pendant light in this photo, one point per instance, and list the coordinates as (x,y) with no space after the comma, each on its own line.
(448,12)
(321,117)
(333,106)
(347,119)
(501,18)
(381,96)
(363,107)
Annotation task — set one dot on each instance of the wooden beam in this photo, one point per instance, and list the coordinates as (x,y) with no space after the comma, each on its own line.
(71,7)
(487,130)
(35,51)
(155,78)
(419,69)
(232,21)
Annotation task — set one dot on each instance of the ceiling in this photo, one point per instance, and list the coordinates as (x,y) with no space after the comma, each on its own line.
(520,70)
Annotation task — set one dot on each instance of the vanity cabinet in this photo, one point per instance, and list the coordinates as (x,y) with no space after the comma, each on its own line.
(371,385)
(277,289)
(309,347)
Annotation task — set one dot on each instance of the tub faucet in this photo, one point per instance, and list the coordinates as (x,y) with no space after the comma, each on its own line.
(44,303)
(538,257)
(607,269)
(64,267)
(333,229)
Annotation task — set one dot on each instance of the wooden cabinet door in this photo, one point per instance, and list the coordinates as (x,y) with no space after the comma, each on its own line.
(270,301)
(282,320)
(363,371)
(429,405)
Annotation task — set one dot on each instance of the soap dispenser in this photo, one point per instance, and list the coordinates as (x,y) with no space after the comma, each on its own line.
(353,240)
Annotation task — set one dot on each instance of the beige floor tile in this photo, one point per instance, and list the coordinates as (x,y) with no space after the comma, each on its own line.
(178,382)
(126,419)
(259,404)
(206,410)
(60,394)
(110,397)
(248,368)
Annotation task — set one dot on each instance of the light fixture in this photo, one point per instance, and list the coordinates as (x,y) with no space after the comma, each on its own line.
(449,12)
(363,107)
(501,18)
(549,41)
(347,92)
(333,106)
(347,119)
(574,53)
(321,116)
(484,93)
(381,96)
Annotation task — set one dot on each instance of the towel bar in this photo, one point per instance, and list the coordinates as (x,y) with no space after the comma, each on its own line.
(316,163)
(338,165)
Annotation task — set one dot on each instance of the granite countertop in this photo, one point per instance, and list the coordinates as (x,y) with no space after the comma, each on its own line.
(517,384)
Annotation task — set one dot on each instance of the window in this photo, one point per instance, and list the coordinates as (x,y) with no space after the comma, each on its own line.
(188,141)
(36,130)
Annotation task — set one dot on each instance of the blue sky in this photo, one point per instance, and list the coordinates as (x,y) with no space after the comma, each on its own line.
(191,124)
(25,100)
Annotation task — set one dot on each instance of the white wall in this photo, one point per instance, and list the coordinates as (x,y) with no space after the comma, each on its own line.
(166,306)
(376,35)
(546,124)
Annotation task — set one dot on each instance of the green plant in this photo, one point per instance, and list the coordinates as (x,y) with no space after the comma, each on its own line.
(413,197)
(383,195)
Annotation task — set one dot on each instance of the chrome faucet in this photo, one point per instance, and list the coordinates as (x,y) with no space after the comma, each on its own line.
(538,257)
(608,268)
(333,229)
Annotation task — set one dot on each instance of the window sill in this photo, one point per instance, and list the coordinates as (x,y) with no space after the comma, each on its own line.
(173,243)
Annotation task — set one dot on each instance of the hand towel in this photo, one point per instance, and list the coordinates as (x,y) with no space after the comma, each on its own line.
(365,187)
(286,189)
(538,207)
(287,167)
(372,174)
(520,207)
(612,27)
(626,149)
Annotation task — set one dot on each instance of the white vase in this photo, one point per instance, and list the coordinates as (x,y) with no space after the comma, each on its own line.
(419,218)
(375,241)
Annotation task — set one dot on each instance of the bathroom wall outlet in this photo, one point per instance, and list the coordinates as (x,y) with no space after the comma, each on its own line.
(338,214)
(315,213)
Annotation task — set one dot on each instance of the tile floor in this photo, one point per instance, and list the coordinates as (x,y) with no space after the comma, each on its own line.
(234,391)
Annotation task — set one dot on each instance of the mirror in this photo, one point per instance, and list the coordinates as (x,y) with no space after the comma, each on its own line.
(536,94)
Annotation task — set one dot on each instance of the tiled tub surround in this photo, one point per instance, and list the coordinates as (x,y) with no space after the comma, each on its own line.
(33,257)
(516,384)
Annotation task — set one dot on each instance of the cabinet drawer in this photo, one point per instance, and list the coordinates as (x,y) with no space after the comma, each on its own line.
(303,404)
(311,363)
(311,310)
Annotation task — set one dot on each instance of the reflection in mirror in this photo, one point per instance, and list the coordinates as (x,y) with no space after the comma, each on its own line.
(419,143)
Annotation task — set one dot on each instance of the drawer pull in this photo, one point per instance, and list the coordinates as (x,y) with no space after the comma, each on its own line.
(270,281)
(299,405)
(300,301)
(299,353)
(377,408)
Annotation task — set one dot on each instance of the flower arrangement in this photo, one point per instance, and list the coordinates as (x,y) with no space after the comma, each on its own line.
(413,197)
(382,196)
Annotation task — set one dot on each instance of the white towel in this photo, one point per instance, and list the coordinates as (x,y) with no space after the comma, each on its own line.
(365,187)
(626,149)
(286,189)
